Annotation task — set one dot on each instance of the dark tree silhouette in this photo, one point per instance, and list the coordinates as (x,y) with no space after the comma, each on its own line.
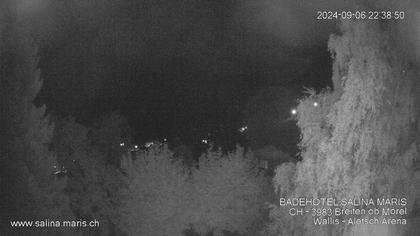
(94,183)
(28,189)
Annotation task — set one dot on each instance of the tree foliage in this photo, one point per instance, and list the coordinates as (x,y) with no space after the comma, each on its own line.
(107,134)
(157,198)
(28,189)
(228,193)
(362,141)
(94,184)
(225,193)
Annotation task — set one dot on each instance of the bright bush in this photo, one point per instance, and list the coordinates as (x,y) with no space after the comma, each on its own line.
(224,193)
(362,141)
(228,193)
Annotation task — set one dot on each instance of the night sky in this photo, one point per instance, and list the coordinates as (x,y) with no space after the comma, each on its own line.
(178,69)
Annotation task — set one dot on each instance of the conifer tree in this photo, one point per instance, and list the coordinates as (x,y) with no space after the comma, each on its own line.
(93,183)
(224,194)
(157,201)
(228,193)
(28,188)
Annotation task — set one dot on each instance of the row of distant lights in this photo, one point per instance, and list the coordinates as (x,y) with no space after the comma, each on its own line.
(245,128)
(240,130)
(206,141)
(294,111)
(146,145)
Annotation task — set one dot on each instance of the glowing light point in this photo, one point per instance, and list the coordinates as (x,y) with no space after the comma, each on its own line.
(315,104)
(122,144)
(136,146)
(205,141)
(148,144)
(243,129)
(293,111)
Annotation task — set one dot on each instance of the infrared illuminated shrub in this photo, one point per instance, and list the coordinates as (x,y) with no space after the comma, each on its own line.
(224,193)
(362,139)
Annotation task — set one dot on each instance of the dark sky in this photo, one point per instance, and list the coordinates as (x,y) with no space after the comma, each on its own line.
(175,68)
